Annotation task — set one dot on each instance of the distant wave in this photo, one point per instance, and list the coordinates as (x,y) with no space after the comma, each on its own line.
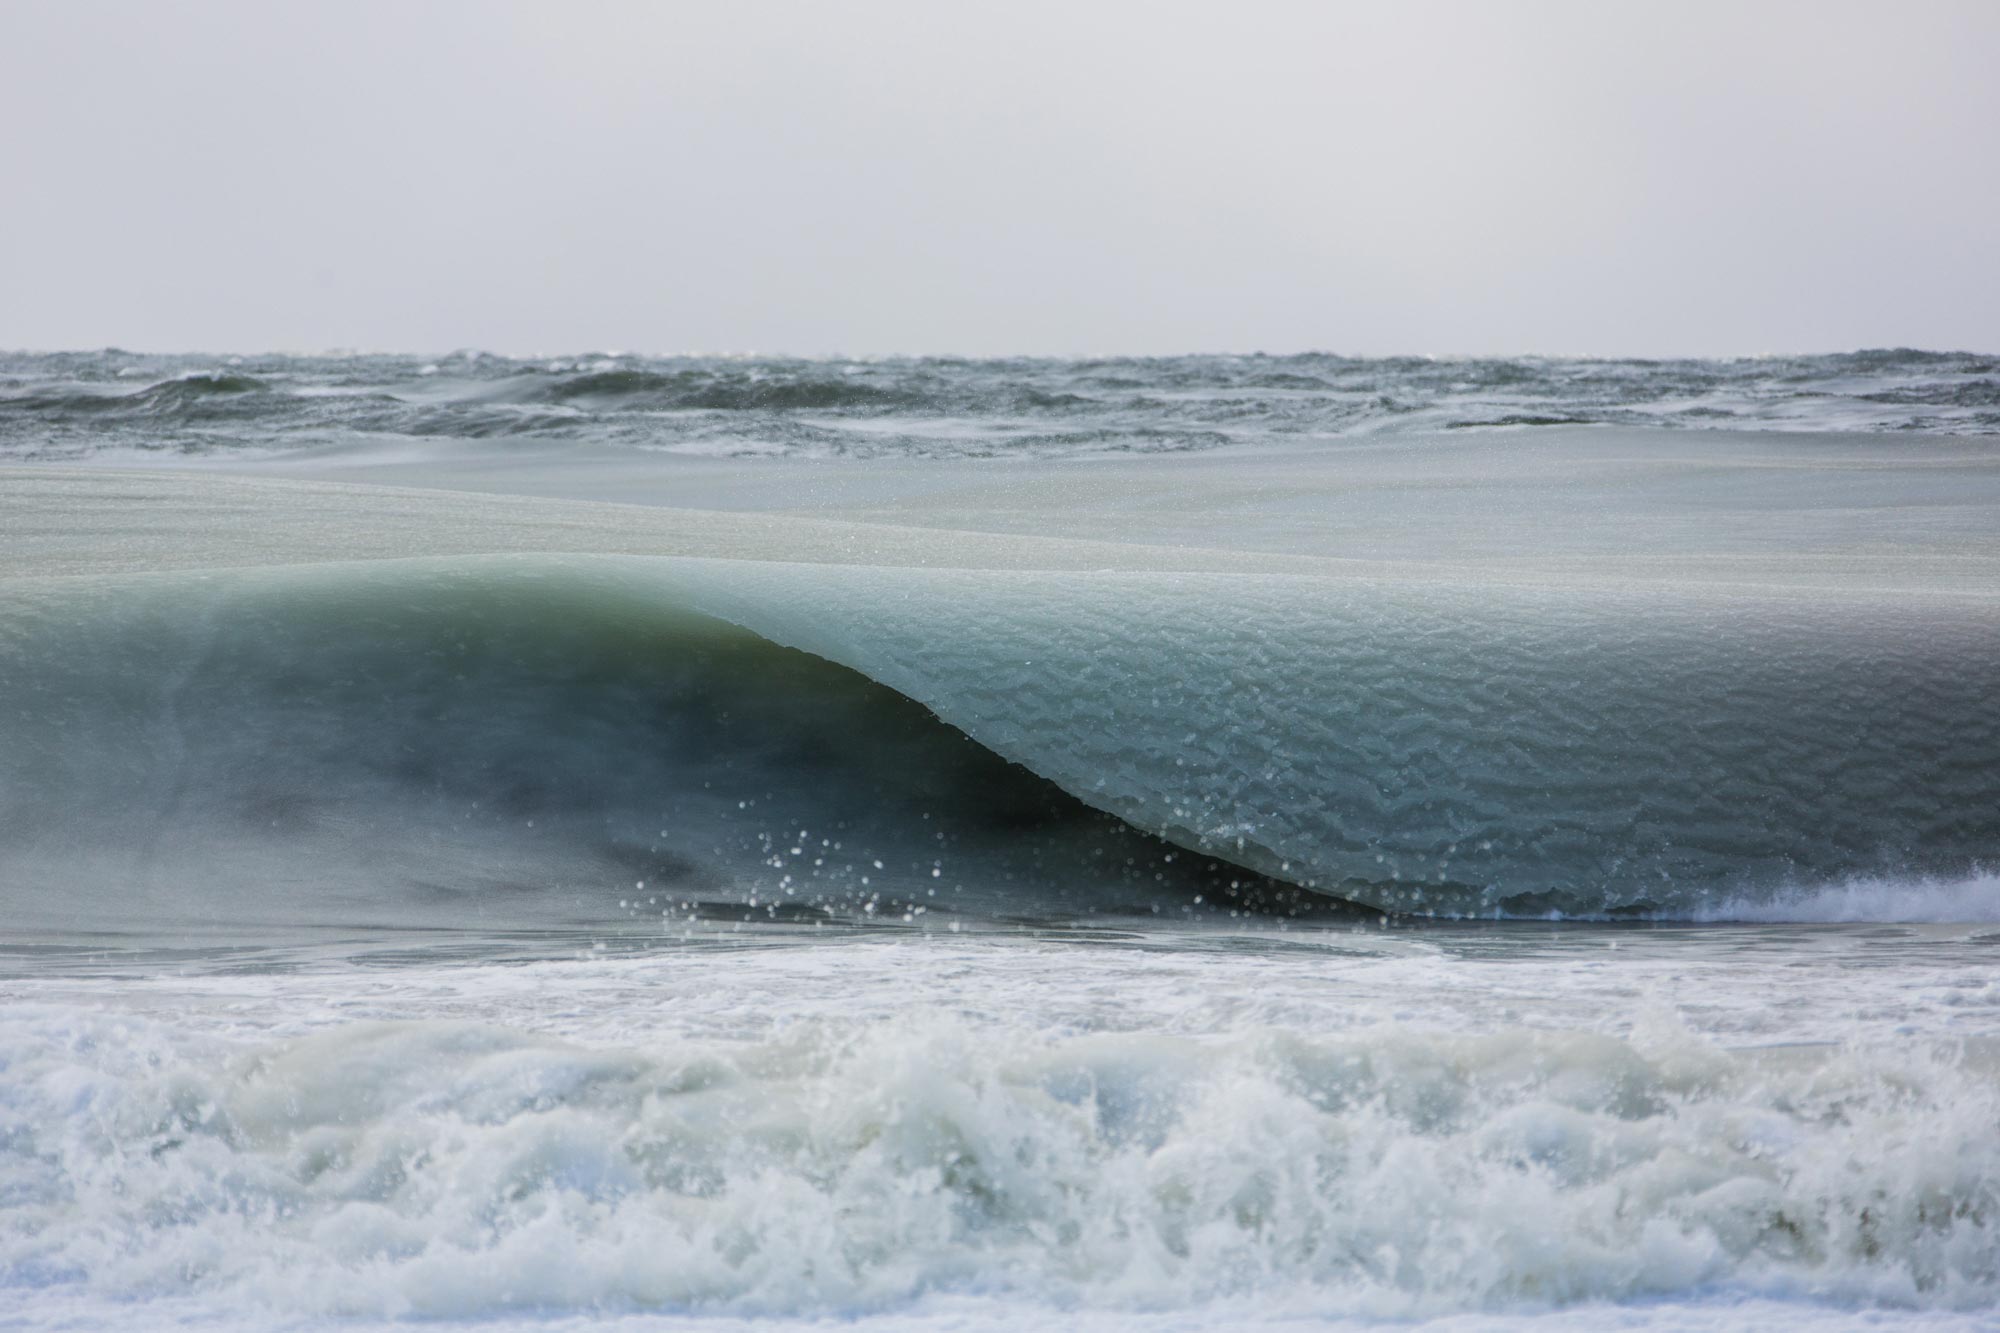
(176,397)
(1964,393)
(66,405)
(693,391)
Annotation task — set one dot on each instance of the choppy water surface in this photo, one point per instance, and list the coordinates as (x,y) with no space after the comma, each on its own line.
(63,406)
(685,843)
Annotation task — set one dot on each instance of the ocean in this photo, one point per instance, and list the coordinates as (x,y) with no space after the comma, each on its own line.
(694,843)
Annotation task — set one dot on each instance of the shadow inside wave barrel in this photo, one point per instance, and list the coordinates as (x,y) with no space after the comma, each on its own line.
(501,746)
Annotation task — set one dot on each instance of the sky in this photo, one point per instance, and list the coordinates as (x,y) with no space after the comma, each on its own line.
(1631,178)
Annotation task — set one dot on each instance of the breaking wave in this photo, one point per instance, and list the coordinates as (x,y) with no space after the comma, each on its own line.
(520,741)
(513,749)
(440,1169)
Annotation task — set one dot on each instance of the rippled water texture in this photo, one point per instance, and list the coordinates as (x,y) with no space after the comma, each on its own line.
(67,405)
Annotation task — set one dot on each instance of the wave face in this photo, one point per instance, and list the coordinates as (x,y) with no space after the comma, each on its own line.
(521,741)
(511,749)
(65,406)
(1426,749)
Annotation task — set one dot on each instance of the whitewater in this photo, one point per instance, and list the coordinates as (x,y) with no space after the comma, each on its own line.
(685,843)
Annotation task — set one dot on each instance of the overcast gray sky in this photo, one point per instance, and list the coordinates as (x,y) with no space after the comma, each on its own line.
(1612,178)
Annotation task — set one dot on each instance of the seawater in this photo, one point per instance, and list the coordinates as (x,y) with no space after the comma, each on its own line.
(688,843)
(68,405)
(1227,1126)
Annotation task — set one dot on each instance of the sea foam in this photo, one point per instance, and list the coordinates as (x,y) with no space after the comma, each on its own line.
(457,1170)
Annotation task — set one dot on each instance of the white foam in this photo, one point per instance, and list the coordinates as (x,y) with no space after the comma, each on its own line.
(1974,899)
(999,1133)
